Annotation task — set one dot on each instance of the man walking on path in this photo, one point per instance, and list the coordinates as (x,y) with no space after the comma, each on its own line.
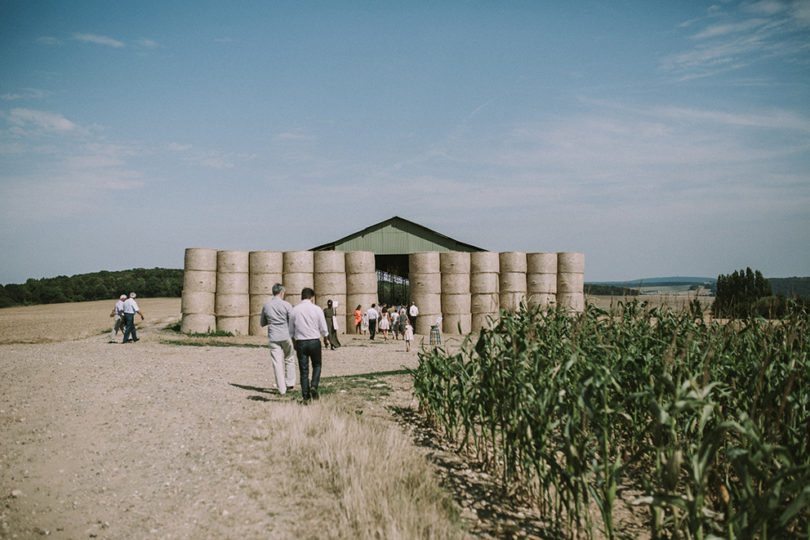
(308,327)
(413,312)
(372,320)
(277,317)
(118,321)
(130,309)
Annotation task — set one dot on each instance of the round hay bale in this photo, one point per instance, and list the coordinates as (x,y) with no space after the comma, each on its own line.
(229,260)
(485,262)
(233,283)
(198,323)
(483,321)
(255,327)
(298,262)
(455,283)
(263,283)
(425,284)
(197,302)
(294,282)
(541,283)
(200,281)
(330,283)
(454,262)
(484,283)
(365,283)
(512,282)
(293,299)
(360,262)
(484,303)
(329,262)
(510,301)
(238,326)
(541,263)
(257,302)
(427,303)
(456,304)
(266,262)
(200,259)
(570,283)
(424,321)
(424,262)
(232,305)
(570,262)
(574,302)
(541,300)
(457,323)
(513,262)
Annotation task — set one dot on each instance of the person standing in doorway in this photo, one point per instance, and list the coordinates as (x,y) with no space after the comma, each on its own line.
(130,309)
(277,317)
(308,327)
(119,322)
(413,312)
(372,315)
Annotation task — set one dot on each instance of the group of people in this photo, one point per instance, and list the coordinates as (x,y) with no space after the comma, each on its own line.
(123,315)
(384,318)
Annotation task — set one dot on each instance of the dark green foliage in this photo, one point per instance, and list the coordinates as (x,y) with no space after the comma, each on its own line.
(609,290)
(791,287)
(155,282)
(737,293)
(708,421)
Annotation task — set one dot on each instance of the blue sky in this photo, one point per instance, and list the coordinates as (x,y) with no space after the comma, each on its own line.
(660,138)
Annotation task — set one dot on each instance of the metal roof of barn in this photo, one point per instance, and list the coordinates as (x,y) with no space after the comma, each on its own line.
(396,236)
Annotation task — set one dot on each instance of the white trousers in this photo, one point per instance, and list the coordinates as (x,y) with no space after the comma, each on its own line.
(284,360)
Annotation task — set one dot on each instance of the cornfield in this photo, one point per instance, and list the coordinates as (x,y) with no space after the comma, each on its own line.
(707,423)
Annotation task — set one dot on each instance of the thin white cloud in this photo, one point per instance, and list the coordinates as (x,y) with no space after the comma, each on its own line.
(293,136)
(48,40)
(25,93)
(176,147)
(147,43)
(216,163)
(42,120)
(98,40)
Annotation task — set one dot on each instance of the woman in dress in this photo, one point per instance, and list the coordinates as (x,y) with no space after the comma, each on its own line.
(385,323)
(330,313)
(358,319)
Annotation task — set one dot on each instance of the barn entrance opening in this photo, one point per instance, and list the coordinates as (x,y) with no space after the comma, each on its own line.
(393,287)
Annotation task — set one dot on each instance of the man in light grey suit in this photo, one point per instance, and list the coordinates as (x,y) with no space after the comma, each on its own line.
(277,317)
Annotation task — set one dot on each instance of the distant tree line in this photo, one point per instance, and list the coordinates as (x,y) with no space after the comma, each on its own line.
(609,290)
(154,282)
(746,293)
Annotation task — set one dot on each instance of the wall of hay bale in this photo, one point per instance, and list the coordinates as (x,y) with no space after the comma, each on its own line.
(460,291)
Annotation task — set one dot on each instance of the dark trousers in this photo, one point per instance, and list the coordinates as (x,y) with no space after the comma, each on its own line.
(372,327)
(308,350)
(129,331)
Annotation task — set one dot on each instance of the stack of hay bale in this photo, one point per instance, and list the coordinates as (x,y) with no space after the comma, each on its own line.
(424,273)
(298,273)
(361,284)
(330,281)
(233,292)
(541,279)
(455,290)
(266,269)
(512,279)
(484,288)
(199,289)
(571,281)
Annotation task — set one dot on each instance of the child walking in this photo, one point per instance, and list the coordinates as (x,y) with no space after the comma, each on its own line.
(408,336)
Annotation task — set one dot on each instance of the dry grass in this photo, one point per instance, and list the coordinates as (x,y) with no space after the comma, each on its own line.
(64,322)
(360,478)
(677,302)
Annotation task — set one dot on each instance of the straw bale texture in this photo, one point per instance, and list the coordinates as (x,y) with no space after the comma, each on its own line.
(456,303)
(512,282)
(330,283)
(541,263)
(233,261)
(571,262)
(330,261)
(232,305)
(454,262)
(485,303)
(484,282)
(424,262)
(424,321)
(298,262)
(571,301)
(200,281)
(511,301)
(542,300)
(233,283)
(483,320)
(485,262)
(359,262)
(513,262)
(197,302)
(427,303)
(295,281)
(266,262)
(570,283)
(425,284)
(362,283)
(238,326)
(200,259)
(451,323)
(198,323)
(455,283)
(541,283)
(263,283)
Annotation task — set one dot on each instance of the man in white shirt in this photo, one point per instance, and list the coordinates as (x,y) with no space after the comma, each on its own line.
(277,317)
(372,315)
(412,313)
(308,327)
(118,321)
(130,309)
